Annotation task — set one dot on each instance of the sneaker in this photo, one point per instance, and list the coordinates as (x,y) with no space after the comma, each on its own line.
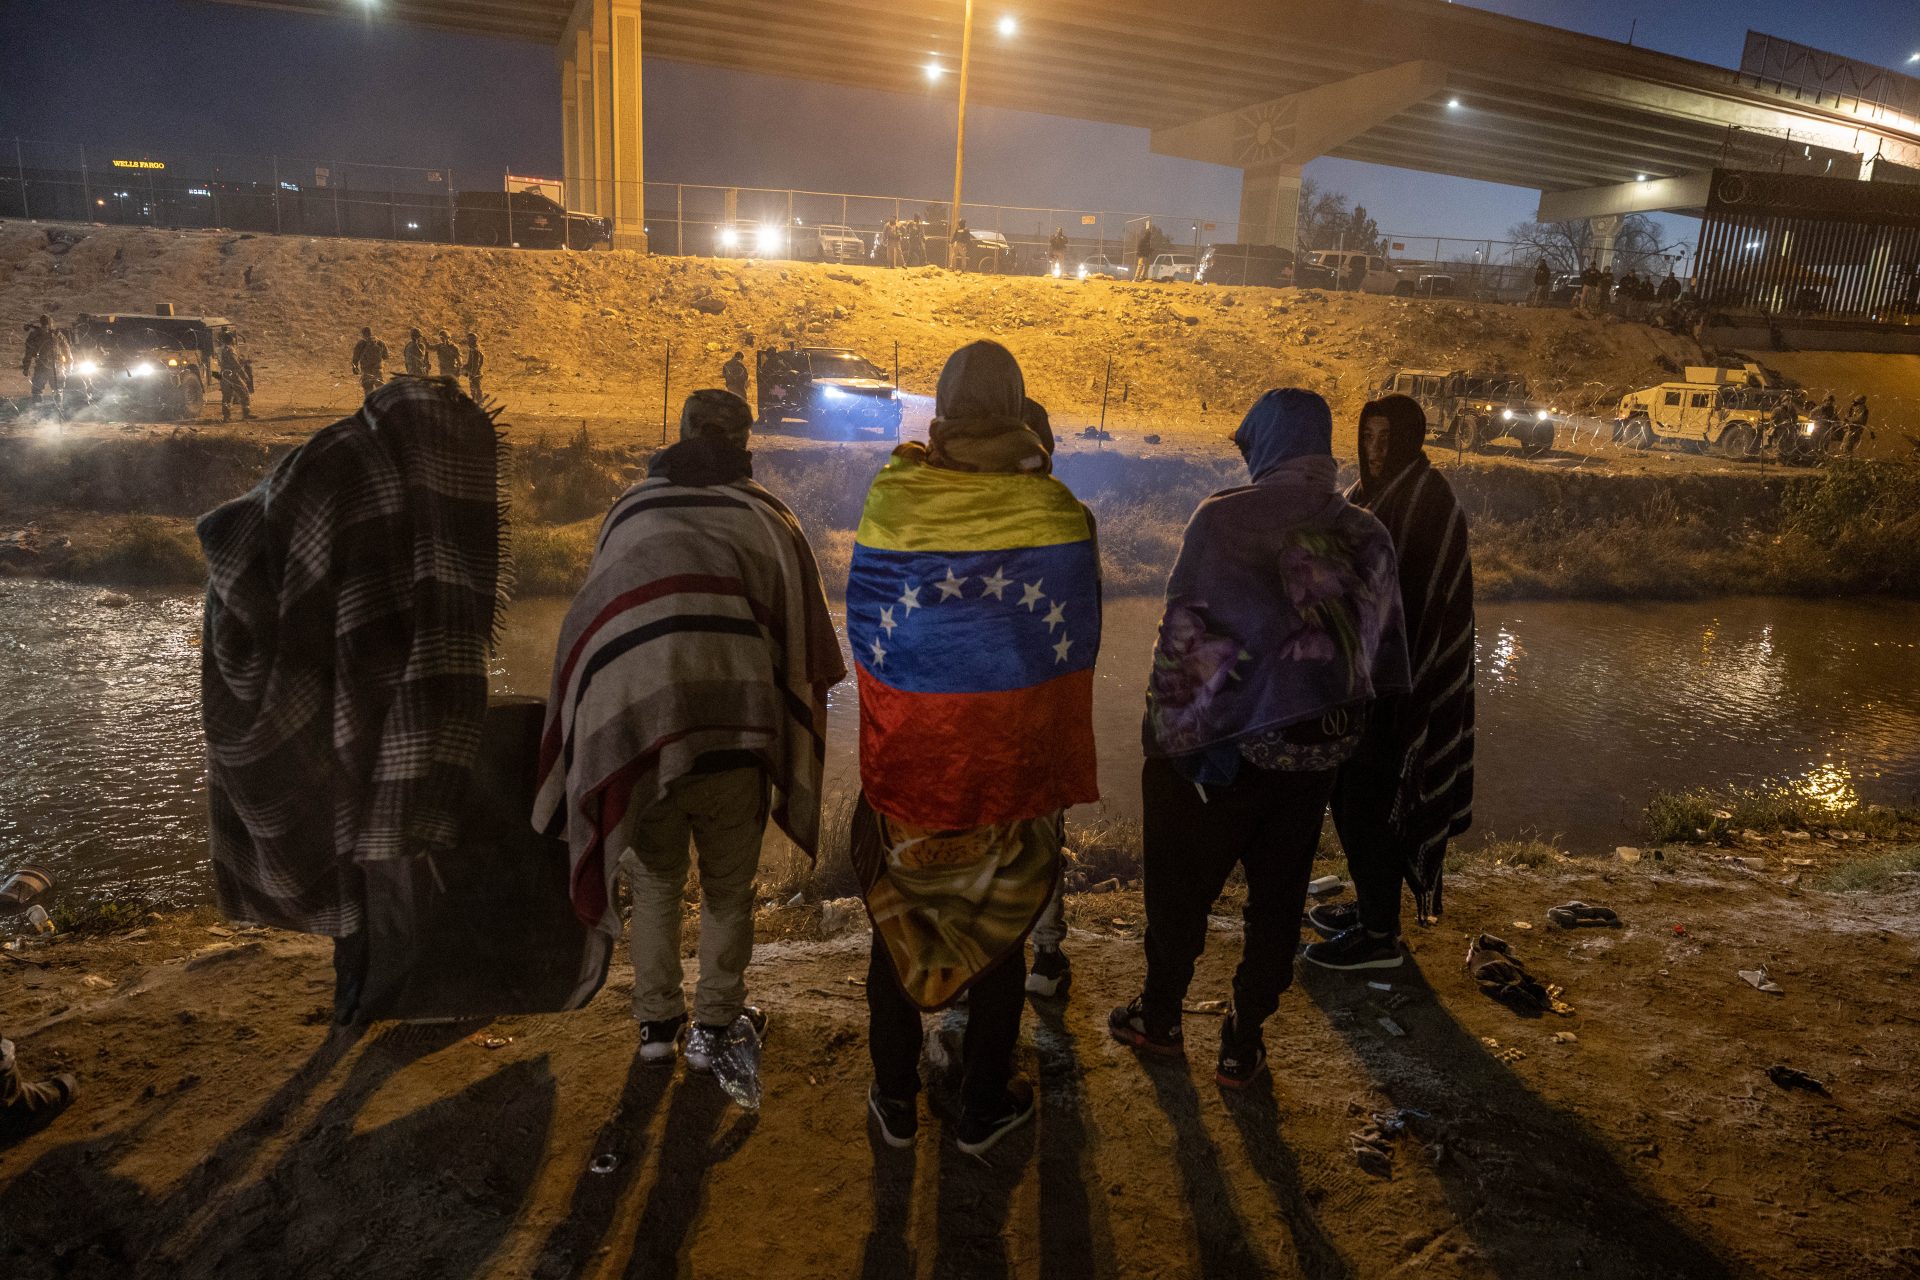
(1128,1025)
(1051,975)
(1241,1058)
(659,1039)
(1355,948)
(1333,918)
(703,1042)
(975,1135)
(899,1118)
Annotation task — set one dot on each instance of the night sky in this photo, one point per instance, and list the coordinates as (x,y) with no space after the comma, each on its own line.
(167,76)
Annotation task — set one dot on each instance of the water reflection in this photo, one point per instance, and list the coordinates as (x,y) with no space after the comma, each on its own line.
(1584,711)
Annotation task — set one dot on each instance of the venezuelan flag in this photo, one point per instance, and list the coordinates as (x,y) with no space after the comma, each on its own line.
(973,611)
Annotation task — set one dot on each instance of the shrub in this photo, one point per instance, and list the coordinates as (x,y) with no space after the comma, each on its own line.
(142,551)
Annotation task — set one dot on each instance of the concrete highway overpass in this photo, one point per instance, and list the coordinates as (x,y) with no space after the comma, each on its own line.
(1599,128)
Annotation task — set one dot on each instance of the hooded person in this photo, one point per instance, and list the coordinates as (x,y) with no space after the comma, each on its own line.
(689,703)
(973,615)
(1282,628)
(351,600)
(1409,789)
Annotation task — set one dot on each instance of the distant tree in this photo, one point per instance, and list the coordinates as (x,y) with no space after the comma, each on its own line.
(1569,246)
(1327,223)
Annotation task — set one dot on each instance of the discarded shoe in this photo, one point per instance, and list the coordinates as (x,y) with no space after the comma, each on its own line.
(1571,915)
(1501,975)
(1793,1078)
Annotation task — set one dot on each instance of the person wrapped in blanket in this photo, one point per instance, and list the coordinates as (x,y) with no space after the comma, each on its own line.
(1408,790)
(352,597)
(1282,626)
(688,704)
(973,616)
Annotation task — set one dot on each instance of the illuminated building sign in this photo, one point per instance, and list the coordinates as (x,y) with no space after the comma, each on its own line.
(139,164)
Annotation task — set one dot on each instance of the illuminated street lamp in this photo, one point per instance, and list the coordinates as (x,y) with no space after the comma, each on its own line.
(1009,26)
(934,72)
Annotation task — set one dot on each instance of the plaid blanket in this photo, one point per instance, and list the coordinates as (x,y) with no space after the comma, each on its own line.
(702,628)
(351,600)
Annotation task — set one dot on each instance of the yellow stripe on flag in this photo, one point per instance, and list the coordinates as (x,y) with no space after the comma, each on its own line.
(916,507)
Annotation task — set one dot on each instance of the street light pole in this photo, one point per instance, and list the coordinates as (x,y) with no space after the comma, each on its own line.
(960,137)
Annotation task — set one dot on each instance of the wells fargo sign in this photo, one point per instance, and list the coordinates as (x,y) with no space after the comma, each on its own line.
(139,164)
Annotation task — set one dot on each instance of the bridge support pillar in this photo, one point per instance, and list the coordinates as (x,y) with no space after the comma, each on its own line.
(600,92)
(1270,205)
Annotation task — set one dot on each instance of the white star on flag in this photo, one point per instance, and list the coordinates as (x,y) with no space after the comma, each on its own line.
(996,584)
(887,622)
(1032,596)
(879,653)
(1060,650)
(950,585)
(1057,616)
(910,597)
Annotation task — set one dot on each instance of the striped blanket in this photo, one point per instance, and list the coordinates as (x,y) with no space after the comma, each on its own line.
(1433,725)
(351,598)
(702,628)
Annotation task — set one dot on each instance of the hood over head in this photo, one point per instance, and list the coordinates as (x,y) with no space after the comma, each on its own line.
(1285,423)
(980,380)
(1406,436)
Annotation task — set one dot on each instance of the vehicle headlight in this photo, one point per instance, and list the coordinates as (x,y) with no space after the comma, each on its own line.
(1506,415)
(1056,271)
(831,393)
(172,363)
(1083,271)
(1543,415)
(144,369)
(1807,429)
(88,368)
(769,240)
(729,239)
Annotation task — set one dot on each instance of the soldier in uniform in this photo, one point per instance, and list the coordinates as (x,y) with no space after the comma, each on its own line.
(447,355)
(734,374)
(236,380)
(917,242)
(475,363)
(45,360)
(369,360)
(415,354)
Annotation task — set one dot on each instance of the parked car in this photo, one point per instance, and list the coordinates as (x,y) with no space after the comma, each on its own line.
(747,238)
(1343,266)
(147,366)
(1101,265)
(1255,264)
(525,220)
(1473,409)
(827,388)
(835,242)
(1172,266)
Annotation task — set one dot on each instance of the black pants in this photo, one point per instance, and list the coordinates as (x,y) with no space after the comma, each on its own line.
(994,1002)
(1267,821)
(1377,857)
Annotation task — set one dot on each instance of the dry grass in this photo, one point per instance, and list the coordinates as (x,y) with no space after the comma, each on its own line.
(137,551)
(1702,815)
(1874,874)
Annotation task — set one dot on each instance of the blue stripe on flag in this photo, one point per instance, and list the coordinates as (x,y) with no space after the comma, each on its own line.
(973,621)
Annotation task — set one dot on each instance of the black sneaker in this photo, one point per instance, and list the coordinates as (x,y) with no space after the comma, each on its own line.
(659,1039)
(1333,918)
(975,1135)
(1355,949)
(1051,975)
(1128,1025)
(899,1118)
(1241,1058)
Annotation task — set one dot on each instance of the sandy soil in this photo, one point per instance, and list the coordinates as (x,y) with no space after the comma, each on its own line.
(224,1131)
(575,337)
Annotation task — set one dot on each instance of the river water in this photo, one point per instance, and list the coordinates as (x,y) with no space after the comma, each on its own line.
(1584,709)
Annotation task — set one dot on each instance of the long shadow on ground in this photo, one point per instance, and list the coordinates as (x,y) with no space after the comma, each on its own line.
(1535,1188)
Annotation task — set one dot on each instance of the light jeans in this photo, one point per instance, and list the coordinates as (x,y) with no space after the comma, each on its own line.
(1050,930)
(725,816)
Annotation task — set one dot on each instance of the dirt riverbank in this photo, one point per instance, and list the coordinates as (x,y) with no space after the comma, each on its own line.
(223,1131)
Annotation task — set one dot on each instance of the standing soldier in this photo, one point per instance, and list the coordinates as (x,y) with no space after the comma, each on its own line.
(1542,284)
(734,374)
(44,361)
(962,247)
(236,380)
(917,243)
(1057,250)
(447,355)
(415,354)
(891,237)
(369,360)
(1143,254)
(476,362)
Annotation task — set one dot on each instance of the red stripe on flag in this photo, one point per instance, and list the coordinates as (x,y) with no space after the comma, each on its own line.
(953,760)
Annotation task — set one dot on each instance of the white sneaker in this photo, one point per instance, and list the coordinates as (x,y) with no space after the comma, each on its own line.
(703,1041)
